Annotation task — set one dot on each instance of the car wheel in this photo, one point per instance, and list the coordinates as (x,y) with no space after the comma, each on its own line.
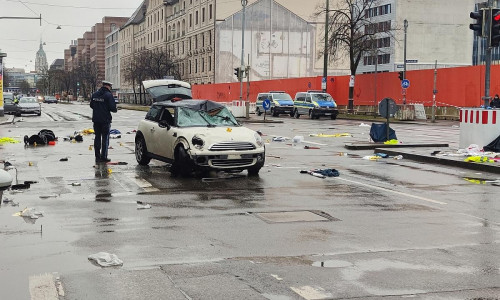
(333,116)
(18,114)
(258,112)
(296,114)
(274,113)
(141,151)
(39,114)
(182,163)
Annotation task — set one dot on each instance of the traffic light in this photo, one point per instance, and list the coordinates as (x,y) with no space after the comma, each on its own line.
(401,75)
(478,26)
(237,72)
(495,28)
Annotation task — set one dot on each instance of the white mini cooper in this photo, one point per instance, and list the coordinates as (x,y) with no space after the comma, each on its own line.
(197,135)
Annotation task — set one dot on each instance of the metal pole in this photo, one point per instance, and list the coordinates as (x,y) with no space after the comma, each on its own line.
(404,70)
(242,64)
(375,83)
(325,55)
(487,26)
(434,92)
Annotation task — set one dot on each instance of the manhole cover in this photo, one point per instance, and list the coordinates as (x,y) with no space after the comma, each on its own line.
(295,216)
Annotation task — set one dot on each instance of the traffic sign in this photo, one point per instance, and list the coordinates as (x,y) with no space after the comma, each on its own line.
(387,107)
(405,83)
(266,104)
(412,61)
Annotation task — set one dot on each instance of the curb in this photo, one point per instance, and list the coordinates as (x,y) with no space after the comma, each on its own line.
(484,167)
(373,146)
(9,120)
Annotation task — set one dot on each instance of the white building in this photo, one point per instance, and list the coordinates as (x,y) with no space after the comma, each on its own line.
(437,31)
(112,59)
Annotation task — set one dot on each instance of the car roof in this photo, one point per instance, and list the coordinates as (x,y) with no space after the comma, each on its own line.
(159,82)
(196,104)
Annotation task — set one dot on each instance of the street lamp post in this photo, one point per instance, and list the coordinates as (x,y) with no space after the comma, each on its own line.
(325,55)
(2,55)
(242,64)
(404,63)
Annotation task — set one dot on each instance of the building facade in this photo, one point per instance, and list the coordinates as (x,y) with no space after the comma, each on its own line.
(112,60)
(436,31)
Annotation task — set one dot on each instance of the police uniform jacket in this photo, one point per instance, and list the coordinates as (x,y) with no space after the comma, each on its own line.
(102,103)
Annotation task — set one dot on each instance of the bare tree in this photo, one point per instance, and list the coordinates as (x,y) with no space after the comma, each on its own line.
(149,64)
(353,33)
(25,87)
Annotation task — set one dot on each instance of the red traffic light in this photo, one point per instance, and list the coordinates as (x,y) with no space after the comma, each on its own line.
(496,17)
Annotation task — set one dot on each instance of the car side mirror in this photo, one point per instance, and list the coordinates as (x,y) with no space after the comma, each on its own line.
(164,124)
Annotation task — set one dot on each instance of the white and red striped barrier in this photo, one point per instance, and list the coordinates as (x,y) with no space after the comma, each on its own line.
(478,126)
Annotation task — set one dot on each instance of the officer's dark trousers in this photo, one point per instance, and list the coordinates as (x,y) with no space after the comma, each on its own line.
(101,141)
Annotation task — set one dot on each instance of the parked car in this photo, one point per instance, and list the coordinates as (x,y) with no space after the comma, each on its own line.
(315,104)
(281,103)
(197,136)
(29,105)
(50,99)
(9,106)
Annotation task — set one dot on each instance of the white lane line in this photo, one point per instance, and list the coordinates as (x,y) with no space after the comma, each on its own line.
(394,192)
(43,287)
(311,293)
(143,183)
(482,219)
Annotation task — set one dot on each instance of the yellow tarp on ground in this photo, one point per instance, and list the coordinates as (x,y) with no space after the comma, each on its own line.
(331,135)
(88,131)
(7,140)
(479,159)
(391,142)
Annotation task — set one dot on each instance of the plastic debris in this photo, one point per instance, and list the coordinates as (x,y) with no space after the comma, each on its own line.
(383,155)
(87,131)
(142,205)
(29,213)
(279,139)
(7,140)
(114,131)
(372,157)
(398,157)
(105,259)
(298,139)
(311,147)
(76,184)
(331,135)
(121,163)
(479,159)
(312,174)
(364,125)
(391,142)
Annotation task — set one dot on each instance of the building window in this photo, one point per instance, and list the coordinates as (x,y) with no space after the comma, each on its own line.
(210,37)
(196,66)
(190,20)
(196,18)
(196,42)
(203,65)
(202,39)
(210,63)
(210,11)
(203,15)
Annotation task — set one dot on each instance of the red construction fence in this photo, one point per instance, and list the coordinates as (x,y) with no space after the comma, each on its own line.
(460,87)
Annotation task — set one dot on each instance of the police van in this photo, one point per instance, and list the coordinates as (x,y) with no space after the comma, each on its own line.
(281,103)
(315,104)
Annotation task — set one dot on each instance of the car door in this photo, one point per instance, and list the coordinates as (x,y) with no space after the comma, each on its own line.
(151,128)
(167,135)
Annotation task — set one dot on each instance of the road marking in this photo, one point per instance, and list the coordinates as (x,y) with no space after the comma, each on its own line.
(43,287)
(311,293)
(482,219)
(142,183)
(394,192)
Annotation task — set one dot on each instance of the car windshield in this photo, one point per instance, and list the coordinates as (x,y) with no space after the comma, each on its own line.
(282,97)
(27,100)
(321,97)
(187,117)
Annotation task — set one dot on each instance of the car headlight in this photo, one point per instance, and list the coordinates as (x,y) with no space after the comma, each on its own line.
(197,142)
(258,140)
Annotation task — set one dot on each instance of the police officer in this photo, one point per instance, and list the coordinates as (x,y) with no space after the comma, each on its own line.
(496,102)
(102,104)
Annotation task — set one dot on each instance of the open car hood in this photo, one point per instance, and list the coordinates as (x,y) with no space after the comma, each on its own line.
(167,89)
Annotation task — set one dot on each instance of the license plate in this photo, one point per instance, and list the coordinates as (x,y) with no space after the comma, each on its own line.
(327,114)
(233,156)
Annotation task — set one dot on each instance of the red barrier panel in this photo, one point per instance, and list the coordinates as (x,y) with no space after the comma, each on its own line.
(461,87)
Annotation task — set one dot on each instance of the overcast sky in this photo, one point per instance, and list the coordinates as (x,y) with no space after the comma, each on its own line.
(20,39)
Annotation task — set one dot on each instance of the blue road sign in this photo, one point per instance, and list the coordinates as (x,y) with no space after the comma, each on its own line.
(405,83)
(266,104)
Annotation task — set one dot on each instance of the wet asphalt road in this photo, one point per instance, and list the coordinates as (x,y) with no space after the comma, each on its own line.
(383,229)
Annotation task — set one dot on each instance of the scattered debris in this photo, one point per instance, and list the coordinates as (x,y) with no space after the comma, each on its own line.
(31,213)
(391,142)
(383,155)
(142,205)
(398,157)
(48,196)
(64,159)
(311,147)
(364,125)
(20,186)
(331,135)
(279,139)
(312,174)
(435,152)
(120,163)
(479,159)
(105,259)
(7,140)
(298,139)
(76,184)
